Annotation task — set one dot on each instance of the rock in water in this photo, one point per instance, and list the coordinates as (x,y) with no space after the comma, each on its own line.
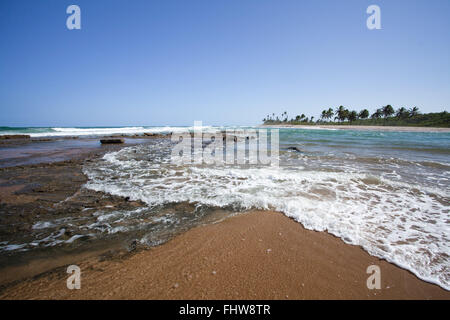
(110,141)
(15,136)
(294,149)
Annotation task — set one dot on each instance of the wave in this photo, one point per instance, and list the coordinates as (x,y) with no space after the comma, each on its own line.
(93,131)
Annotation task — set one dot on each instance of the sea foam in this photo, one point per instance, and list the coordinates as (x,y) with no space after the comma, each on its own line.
(403,223)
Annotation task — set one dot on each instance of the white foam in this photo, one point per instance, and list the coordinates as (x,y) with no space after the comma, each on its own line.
(73,132)
(42,225)
(402,223)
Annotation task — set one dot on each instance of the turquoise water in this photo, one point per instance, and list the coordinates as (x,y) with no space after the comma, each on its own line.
(24,130)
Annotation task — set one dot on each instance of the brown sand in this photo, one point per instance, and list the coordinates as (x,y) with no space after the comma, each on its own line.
(365,128)
(257,255)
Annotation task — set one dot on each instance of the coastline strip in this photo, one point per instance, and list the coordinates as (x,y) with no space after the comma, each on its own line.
(361,128)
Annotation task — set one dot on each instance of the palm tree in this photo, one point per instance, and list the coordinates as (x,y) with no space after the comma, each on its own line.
(414,111)
(387,111)
(330,113)
(352,116)
(323,115)
(341,113)
(364,114)
(377,114)
(401,113)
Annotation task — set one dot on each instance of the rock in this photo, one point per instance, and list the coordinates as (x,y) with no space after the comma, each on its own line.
(15,136)
(112,141)
(41,140)
(155,135)
(68,233)
(132,246)
(294,149)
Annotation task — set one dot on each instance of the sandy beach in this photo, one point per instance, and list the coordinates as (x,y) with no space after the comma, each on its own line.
(224,150)
(256,255)
(363,128)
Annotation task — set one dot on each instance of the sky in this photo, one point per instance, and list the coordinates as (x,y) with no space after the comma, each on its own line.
(224,62)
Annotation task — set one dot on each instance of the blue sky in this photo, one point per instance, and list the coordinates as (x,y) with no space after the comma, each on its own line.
(220,61)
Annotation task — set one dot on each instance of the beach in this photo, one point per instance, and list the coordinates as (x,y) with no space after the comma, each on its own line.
(141,228)
(361,127)
(255,255)
(208,150)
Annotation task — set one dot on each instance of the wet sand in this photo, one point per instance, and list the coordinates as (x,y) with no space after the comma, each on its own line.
(363,128)
(256,255)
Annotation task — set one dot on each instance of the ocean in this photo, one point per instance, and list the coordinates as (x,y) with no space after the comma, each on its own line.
(388,192)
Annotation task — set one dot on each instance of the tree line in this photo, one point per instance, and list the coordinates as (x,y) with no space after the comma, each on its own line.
(385,115)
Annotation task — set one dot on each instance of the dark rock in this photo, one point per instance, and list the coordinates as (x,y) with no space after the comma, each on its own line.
(132,246)
(15,136)
(155,135)
(112,141)
(68,234)
(42,140)
(294,149)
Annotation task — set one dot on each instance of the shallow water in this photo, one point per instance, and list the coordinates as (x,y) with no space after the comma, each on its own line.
(54,150)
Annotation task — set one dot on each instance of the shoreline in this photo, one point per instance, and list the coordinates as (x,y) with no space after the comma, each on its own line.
(48,184)
(254,255)
(361,128)
(238,246)
(34,151)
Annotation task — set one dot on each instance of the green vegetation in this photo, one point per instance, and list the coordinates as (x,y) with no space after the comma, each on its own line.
(384,116)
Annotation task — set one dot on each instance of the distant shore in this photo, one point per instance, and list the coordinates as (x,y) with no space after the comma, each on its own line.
(256,255)
(357,127)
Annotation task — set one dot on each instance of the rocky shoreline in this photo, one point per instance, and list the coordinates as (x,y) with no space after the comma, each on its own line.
(53,190)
